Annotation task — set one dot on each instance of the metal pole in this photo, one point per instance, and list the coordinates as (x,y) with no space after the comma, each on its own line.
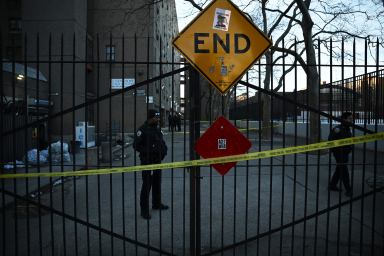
(194,131)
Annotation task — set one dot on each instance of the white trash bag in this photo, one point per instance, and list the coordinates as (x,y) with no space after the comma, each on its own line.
(56,152)
(56,147)
(33,154)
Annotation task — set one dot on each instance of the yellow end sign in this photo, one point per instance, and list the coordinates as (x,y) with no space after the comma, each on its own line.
(222,44)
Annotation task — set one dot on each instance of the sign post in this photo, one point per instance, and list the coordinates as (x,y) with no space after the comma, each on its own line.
(222,44)
(194,174)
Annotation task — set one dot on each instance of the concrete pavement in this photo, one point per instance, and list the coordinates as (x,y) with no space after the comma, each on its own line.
(252,199)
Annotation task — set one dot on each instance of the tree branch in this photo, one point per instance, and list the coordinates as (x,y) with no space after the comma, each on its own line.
(289,27)
(282,14)
(194,4)
(129,11)
(294,54)
(338,32)
(286,72)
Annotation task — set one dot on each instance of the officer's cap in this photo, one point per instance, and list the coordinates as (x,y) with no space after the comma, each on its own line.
(152,113)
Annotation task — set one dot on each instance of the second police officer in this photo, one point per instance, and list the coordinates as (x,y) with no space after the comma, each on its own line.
(341,154)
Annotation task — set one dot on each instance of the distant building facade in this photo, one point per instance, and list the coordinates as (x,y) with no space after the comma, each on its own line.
(76,48)
(363,95)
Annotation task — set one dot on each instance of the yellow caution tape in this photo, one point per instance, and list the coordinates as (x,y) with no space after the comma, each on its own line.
(240,129)
(208,161)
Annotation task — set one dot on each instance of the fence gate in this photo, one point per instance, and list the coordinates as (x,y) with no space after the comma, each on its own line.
(72,114)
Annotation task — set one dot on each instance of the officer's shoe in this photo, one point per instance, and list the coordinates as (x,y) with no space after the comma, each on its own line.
(334,188)
(348,193)
(160,207)
(145,214)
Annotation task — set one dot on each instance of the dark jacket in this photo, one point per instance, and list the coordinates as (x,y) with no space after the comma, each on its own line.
(341,132)
(150,144)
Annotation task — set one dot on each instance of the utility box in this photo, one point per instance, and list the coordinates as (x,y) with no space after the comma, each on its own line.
(85,133)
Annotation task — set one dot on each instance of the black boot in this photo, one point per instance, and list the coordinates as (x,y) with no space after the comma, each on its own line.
(160,207)
(145,214)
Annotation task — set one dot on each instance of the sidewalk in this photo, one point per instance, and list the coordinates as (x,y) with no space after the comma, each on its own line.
(245,201)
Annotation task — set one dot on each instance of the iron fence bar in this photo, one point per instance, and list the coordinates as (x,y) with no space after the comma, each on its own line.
(318,153)
(296,222)
(135,129)
(247,169)
(382,111)
(98,138)
(194,129)
(210,177)
(26,143)
(110,137)
(1,148)
(270,103)
(14,142)
(329,154)
(353,151)
(84,223)
(172,143)
(375,151)
(364,157)
(49,128)
(234,182)
(259,162)
(308,120)
(283,165)
(74,138)
(37,139)
(147,108)
(93,101)
(294,162)
(160,106)
(123,139)
(341,99)
(61,139)
(86,89)
(184,159)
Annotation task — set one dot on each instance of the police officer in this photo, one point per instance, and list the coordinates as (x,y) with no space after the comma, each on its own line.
(152,148)
(341,154)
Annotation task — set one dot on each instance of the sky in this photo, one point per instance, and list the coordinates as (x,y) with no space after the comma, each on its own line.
(186,12)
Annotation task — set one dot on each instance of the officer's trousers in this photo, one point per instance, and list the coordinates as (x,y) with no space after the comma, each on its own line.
(341,171)
(151,179)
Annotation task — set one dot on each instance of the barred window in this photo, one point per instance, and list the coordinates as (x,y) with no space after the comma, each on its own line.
(14,25)
(110,51)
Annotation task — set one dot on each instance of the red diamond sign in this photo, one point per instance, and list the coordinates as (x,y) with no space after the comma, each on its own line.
(222,139)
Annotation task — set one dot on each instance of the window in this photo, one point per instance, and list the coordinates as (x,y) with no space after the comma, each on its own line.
(110,51)
(14,25)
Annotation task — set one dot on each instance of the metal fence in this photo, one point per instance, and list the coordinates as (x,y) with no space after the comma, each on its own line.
(272,206)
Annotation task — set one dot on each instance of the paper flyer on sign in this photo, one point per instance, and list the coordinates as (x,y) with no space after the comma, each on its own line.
(221,19)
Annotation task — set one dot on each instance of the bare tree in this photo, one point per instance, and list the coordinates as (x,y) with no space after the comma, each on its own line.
(332,19)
